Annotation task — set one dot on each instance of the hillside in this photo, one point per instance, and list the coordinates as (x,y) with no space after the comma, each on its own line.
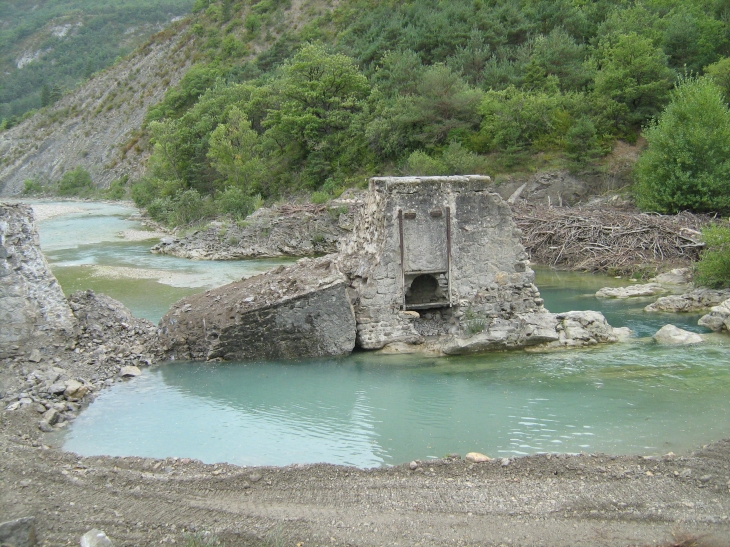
(48,47)
(285,96)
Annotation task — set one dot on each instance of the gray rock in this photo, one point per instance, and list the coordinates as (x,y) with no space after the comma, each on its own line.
(45,426)
(35,356)
(632,291)
(32,304)
(718,319)
(413,465)
(677,276)
(671,335)
(95,538)
(57,388)
(129,371)
(51,416)
(689,302)
(75,389)
(18,533)
(290,313)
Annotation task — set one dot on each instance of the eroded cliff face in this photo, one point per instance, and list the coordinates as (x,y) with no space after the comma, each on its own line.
(33,308)
(97,125)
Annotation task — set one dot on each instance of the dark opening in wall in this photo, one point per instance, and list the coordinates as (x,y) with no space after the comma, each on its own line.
(425,289)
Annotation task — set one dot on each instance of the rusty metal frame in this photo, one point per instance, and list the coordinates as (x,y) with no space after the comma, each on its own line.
(402,258)
(448,250)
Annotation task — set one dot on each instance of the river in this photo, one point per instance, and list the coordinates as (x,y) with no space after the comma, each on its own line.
(369,409)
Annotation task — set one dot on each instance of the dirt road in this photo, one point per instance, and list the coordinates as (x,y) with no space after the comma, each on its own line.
(587,500)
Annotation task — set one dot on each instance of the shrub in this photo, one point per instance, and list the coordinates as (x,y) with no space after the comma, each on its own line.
(237,203)
(32,187)
(420,163)
(319,197)
(713,269)
(75,183)
(686,165)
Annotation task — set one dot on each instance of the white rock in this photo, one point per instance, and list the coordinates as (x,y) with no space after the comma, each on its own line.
(413,466)
(633,291)
(677,276)
(623,333)
(95,538)
(718,319)
(476,457)
(129,371)
(671,335)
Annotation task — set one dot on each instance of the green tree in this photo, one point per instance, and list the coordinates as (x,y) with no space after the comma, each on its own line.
(634,72)
(320,96)
(233,151)
(719,72)
(45,96)
(713,268)
(76,182)
(686,165)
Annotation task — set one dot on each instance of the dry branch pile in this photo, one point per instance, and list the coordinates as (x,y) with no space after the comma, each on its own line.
(290,209)
(608,239)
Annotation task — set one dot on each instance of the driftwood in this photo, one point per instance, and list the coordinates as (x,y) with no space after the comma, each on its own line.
(608,240)
(289,209)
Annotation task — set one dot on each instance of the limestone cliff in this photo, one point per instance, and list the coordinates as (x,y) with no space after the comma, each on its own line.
(96,126)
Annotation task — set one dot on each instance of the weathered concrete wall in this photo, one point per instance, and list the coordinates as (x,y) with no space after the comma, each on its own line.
(489,273)
(295,312)
(32,304)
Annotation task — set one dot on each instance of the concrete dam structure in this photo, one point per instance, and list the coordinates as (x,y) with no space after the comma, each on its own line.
(433,264)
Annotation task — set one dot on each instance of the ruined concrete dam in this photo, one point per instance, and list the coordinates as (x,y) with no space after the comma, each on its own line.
(434,264)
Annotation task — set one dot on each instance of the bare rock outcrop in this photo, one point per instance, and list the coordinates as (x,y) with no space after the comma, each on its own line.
(293,312)
(718,319)
(32,305)
(696,300)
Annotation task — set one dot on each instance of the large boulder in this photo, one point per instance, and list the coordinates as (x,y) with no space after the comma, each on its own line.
(689,302)
(292,312)
(632,291)
(718,319)
(671,335)
(32,305)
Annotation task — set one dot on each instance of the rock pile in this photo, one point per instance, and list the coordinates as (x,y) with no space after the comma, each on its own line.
(108,344)
(718,319)
(692,301)
(304,230)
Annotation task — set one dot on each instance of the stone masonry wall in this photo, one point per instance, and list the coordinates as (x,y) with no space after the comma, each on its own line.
(490,275)
(32,304)
(295,312)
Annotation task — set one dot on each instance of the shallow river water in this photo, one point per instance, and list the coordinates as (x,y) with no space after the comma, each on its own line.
(369,409)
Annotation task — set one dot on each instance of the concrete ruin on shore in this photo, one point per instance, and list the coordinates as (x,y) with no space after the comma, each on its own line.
(433,264)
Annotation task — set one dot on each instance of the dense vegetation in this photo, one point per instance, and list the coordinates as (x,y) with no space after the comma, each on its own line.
(68,41)
(427,87)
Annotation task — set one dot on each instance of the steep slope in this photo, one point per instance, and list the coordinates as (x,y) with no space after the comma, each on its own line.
(95,126)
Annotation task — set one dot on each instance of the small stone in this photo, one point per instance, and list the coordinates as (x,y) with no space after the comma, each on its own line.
(50,416)
(505,462)
(130,371)
(95,538)
(75,389)
(18,532)
(254,477)
(57,388)
(35,356)
(413,466)
(45,427)
(705,478)
(476,457)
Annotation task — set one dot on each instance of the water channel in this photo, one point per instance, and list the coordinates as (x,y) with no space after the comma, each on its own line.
(370,409)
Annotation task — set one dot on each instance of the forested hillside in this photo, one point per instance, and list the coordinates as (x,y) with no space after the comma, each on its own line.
(313,96)
(426,87)
(48,46)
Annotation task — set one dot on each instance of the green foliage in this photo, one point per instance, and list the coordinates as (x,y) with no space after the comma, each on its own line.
(118,189)
(719,73)
(634,72)
(32,187)
(235,202)
(713,268)
(581,143)
(75,183)
(319,197)
(202,539)
(89,36)
(233,151)
(686,165)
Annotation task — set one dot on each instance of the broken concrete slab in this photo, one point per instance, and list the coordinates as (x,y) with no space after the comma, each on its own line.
(293,312)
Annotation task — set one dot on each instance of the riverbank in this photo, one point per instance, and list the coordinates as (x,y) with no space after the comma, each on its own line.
(548,500)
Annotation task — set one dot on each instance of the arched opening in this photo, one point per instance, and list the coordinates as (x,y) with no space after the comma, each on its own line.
(424,289)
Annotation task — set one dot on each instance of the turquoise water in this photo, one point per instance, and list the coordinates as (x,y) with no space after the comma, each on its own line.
(372,410)
(85,251)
